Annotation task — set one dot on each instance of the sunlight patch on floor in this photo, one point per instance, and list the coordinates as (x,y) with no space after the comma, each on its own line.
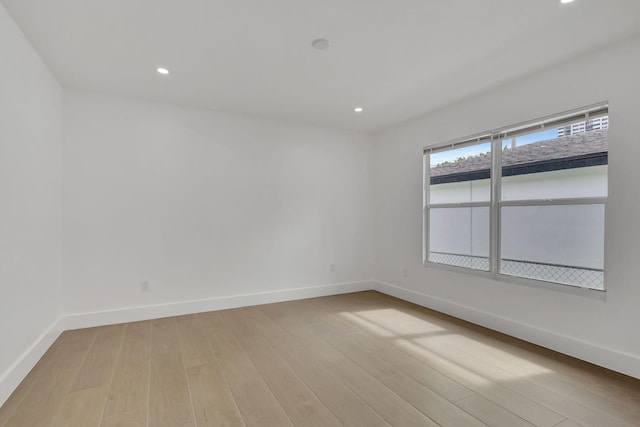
(441,364)
(389,323)
(369,326)
(513,363)
(389,320)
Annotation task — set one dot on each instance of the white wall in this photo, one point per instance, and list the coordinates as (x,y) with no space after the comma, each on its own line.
(205,204)
(30,202)
(563,320)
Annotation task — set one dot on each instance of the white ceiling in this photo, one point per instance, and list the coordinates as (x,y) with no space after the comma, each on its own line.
(396,58)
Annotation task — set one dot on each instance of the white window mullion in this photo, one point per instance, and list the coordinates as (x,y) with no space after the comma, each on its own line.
(496,179)
(551,202)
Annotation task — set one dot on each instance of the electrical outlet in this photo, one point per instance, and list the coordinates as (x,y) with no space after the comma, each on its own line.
(332,267)
(405,272)
(144,286)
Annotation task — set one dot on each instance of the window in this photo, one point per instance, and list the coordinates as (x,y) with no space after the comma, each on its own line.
(460,204)
(525,201)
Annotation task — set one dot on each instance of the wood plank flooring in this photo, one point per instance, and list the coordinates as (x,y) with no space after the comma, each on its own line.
(362,359)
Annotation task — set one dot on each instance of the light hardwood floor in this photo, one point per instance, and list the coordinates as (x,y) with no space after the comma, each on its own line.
(362,359)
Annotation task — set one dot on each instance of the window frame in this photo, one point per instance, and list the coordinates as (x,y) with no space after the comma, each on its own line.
(496,203)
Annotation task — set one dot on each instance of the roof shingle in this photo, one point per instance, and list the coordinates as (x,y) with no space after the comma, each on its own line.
(584,144)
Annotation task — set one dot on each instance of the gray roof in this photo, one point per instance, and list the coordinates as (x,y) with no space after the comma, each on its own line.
(571,146)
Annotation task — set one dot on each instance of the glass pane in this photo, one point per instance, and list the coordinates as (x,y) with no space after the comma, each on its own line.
(562,244)
(461,175)
(460,237)
(566,162)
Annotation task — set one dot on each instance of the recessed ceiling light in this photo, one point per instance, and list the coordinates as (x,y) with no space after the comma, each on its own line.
(162,70)
(321,44)
(358,109)
(566,1)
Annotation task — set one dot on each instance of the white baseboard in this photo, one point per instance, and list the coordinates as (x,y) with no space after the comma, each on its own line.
(615,360)
(13,376)
(133,314)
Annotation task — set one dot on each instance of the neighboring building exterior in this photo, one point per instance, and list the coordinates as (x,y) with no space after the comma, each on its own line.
(594,124)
